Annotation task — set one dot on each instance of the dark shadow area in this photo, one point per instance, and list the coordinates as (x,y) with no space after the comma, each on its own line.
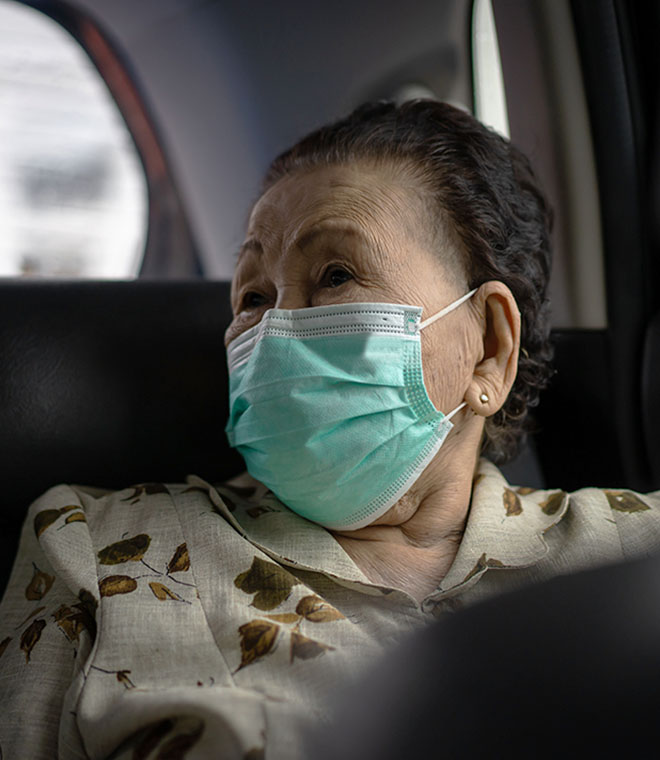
(568,668)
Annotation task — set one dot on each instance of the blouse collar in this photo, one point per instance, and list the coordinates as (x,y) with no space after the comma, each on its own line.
(504,530)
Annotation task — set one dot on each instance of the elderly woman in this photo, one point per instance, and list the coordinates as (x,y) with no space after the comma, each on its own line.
(391,327)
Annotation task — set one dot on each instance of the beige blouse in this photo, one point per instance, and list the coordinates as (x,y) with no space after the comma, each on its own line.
(193,620)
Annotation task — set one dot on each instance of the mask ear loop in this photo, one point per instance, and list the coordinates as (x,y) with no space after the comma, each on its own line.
(458,409)
(447,309)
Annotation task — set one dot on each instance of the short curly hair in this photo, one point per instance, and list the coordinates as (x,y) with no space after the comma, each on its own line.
(488,190)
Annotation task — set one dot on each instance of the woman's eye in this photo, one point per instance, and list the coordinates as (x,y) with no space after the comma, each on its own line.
(336,276)
(253,300)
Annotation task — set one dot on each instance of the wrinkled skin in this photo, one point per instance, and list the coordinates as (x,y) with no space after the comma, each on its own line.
(359,233)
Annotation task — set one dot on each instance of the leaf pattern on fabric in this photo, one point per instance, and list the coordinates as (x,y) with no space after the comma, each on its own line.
(75,517)
(270,584)
(625,501)
(258,638)
(47,517)
(284,617)
(128,550)
(525,490)
(88,603)
(39,586)
(552,504)
(72,621)
(180,562)
(305,648)
(145,489)
(512,503)
(122,677)
(162,593)
(117,584)
(69,622)
(3,645)
(31,636)
(314,609)
(483,563)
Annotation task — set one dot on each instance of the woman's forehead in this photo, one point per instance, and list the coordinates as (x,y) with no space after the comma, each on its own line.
(367,198)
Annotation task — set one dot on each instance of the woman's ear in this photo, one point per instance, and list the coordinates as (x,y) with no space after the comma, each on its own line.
(495,373)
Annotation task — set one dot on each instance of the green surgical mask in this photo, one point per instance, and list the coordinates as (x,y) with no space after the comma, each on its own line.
(329,410)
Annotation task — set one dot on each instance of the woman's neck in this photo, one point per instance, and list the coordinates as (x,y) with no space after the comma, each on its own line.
(412,569)
(412,546)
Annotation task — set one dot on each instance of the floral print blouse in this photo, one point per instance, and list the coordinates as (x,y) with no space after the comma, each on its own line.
(193,620)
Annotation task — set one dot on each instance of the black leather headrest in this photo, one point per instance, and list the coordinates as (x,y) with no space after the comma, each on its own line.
(651,394)
(110,384)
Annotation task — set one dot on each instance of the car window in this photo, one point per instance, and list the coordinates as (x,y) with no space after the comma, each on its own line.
(73,195)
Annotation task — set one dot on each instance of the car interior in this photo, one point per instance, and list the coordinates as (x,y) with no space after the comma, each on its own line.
(112,378)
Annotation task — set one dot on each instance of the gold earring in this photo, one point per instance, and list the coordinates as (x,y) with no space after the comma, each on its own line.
(484,398)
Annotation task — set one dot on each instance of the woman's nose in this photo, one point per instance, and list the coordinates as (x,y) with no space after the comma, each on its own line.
(292,297)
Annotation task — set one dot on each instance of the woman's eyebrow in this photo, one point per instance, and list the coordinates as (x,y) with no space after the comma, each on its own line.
(250,245)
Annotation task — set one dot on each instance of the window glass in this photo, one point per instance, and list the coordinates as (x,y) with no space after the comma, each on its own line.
(73,196)
(489,97)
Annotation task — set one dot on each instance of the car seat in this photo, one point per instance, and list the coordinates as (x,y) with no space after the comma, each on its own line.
(109,384)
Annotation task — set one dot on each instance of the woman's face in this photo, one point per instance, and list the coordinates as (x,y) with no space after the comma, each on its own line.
(346,234)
